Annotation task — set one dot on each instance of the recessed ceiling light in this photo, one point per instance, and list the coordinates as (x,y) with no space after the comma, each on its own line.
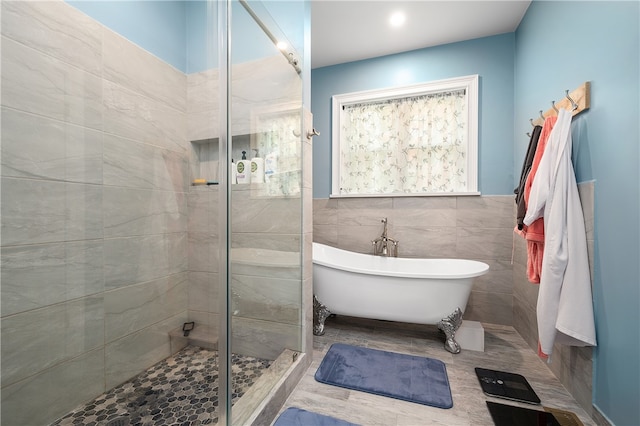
(397,19)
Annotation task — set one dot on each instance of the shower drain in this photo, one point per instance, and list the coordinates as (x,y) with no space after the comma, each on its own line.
(119,421)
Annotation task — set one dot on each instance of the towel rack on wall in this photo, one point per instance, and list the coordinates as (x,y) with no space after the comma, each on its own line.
(576,101)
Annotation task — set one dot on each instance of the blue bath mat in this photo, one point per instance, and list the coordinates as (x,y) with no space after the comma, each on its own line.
(298,417)
(407,377)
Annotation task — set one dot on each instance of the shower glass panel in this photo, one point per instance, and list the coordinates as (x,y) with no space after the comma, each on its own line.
(265,211)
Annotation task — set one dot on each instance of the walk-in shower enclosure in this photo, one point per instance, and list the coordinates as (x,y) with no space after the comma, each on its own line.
(110,112)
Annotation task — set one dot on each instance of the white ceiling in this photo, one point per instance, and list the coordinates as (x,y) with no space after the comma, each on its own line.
(350,30)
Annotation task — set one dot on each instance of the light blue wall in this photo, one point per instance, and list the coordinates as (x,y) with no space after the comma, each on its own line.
(492,58)
(157,26)
(183,33)
(559,45)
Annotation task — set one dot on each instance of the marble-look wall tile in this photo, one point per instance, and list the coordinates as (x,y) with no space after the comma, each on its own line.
(520,250)
(35,340)
(203,252)
(207,319)
(307,312)
(268,299)
(203,109)
(325,211)
(586,190)
(307,255)
(494,211)
(525,291)
(525,322)
(484,243)
(202,92)
(133,308)
(37,275)
(137,259)
(44,26)
(499,280)
(264,268)
(249,214)
(204,289)
(250,94)
(43,85)
(307,164)
(133,116)
(263,339)
(203,210)
(423,212)
(203,125)
(126,357)
(38,400)
(42,148)
(129,211)
(425,242)
(269,241)
(494,308)
(358,238)
(47,211)
(137,165)
(364,211)
(326,234)
(132,67)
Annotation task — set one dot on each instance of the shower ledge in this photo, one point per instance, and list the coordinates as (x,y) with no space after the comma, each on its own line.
(201,335)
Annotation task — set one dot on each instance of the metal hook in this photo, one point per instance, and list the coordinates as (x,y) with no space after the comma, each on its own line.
(528,134)
(553,105)
(531,121)
(574,106)
(541,115)
(313,132)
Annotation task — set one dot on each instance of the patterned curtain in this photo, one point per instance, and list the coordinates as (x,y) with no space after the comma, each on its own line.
(279,142)
(409,145)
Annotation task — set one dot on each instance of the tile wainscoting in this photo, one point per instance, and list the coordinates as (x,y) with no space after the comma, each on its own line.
(470,227)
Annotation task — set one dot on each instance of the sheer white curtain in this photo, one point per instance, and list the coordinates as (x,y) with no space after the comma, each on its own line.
(408,145)
(278,142)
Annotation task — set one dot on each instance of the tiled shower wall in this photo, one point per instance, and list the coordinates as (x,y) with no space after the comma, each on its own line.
(470,227)
(94,209)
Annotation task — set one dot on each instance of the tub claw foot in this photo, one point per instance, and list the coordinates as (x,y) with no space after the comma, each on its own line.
(320,314)
(449,326)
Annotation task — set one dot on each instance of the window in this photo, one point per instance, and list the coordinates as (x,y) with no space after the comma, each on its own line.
(413,140)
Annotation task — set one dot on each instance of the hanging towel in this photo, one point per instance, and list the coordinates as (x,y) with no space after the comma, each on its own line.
(521,206)
(534,233)
(565,304)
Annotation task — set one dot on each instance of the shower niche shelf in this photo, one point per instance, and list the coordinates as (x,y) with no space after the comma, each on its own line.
(205,160)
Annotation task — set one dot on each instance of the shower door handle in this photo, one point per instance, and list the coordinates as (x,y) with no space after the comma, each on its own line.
(313,132)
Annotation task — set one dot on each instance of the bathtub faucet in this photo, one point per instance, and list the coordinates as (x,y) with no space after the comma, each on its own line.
(383,245)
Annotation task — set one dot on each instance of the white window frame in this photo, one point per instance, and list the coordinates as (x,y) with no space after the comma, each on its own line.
(467,83)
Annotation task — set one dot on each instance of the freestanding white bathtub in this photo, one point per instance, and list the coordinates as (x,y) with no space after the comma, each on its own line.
(422,291)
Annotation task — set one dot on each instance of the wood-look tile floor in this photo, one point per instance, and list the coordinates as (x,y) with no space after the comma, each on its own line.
(505,350)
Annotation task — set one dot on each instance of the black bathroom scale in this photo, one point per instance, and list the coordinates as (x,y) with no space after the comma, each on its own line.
(509,415)
(506,385)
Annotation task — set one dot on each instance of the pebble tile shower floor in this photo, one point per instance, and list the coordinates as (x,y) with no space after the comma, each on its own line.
(181,390)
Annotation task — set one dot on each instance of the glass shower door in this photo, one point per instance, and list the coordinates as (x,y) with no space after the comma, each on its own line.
(264,232)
